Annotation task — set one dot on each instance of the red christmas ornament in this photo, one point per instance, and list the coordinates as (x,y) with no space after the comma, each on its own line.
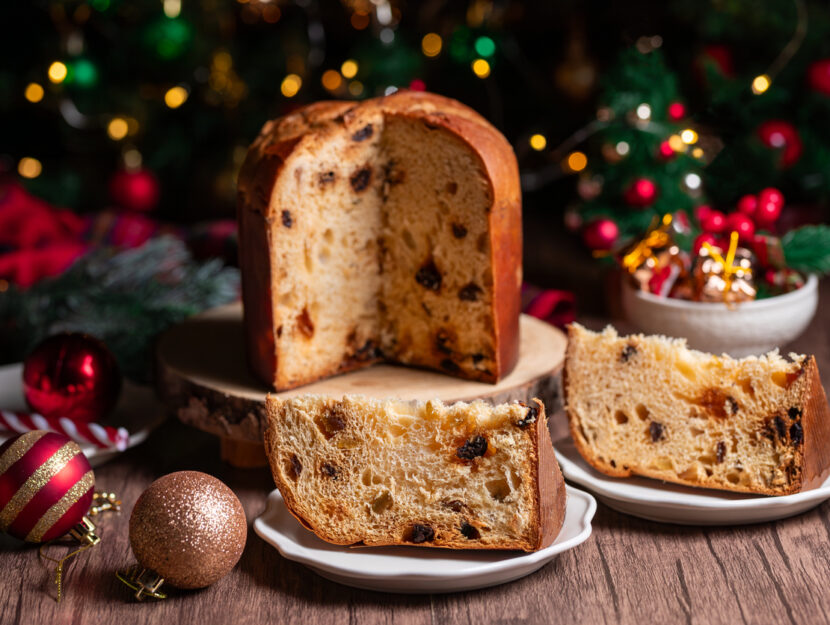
(747,205)
(714,222)
(782,135)
(665,151)
(601,234)
(706,237)
(47,487)
(71,375)
(135,190)
(743,225)
(715,55)
(818,76)
(641,193)
(417,85)
(677,111)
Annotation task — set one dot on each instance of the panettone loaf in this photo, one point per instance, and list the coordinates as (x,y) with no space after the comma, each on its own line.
(383,230)
(649,406)
(389,472)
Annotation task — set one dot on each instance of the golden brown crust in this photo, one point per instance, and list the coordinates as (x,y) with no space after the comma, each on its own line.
(815,422)
(551,485)
(279,139)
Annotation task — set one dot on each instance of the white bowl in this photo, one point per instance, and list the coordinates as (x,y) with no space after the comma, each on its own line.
(749,328)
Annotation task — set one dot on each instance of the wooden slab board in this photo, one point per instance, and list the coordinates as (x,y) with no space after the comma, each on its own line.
(204,379)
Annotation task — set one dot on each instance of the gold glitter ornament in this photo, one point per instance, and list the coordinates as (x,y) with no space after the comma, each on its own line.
(187,529)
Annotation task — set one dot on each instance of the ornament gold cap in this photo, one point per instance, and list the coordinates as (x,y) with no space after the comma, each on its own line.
(143,581)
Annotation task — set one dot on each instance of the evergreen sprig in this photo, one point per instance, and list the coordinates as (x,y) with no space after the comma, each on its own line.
(807,249)
(125,298)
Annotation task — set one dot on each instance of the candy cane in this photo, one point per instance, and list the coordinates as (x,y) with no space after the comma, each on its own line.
(102,436)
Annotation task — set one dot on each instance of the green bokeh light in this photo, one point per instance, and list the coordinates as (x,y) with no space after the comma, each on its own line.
(84,73)
(485,46)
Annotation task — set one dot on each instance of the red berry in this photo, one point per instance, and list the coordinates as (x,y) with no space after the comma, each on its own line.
(677,111)
(770,203)
(780,134)
(715,222)
(743,225)
(701,212)
(601,234)
(748,204)
(700,240)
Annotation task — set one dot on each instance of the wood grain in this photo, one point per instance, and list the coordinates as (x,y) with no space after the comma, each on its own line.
(629,571)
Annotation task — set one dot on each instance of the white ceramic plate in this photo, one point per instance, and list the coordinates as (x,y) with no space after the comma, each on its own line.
(671,503)
(138,410)
(414,569)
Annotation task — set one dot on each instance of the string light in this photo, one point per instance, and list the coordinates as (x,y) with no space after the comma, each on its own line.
(577,161)
(172,8)
(355,88)
(390,90)
(760,84)
(359,20)
(538,142)
(692,181)
(29,167)
(622,148)
(431,45)
(57,72)
(387,35)
(34,92)
(485,46)
(349,68)
(175,96)
(644,111)
(117,128)
(331,80)
(688,136)
(697,153)
(291,85)
(132,159)
(481,68)
(676,143)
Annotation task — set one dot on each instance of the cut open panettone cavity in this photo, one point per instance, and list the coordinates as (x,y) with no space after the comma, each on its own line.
(390,472)
(649,406)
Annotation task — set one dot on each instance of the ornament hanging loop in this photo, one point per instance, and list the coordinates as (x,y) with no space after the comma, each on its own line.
(84,533)
(144,582)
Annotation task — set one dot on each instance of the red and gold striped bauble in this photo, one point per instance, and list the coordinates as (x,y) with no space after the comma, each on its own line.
(46,486)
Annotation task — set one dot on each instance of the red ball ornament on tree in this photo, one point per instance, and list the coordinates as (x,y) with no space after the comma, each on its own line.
(47,488)
(71,375)
(677,111)
(714,222)
(706,237)
(601,234)
(818,76)
(641,193)
(743,225)
(701,212)
(782,135)
(747,205)
(135,190)
(666,151)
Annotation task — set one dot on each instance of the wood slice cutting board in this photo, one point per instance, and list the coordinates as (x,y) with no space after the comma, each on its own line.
(204,378)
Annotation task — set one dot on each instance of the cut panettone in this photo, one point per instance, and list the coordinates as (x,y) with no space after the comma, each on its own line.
(390,472)
(388,229)
(649,406)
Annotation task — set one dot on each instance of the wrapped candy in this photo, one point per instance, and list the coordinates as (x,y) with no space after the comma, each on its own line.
(656,263)
(719,278)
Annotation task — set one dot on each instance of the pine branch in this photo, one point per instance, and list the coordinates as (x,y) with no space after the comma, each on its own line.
(807,249)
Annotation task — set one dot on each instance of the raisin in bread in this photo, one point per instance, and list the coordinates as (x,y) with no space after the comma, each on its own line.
(389,472)
(383,230)
(649,406)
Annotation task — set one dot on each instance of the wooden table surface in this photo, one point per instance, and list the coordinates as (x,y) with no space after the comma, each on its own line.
(629,570)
